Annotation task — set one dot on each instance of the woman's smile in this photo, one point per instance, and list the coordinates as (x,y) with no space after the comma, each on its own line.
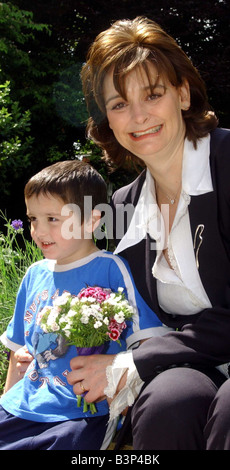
(140,135)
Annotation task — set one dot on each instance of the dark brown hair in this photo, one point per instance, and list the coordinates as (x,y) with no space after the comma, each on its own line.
(137,43)
(71,181)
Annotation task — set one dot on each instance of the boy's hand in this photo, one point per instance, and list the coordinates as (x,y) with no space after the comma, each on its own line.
(23,359)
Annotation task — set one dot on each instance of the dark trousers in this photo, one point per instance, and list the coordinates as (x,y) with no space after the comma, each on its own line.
(217,431)
(173,410)
(77,434)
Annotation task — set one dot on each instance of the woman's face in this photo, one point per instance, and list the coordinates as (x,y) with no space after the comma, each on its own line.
(149,122)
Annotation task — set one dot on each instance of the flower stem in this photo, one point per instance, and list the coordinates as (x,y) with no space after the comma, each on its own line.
(78,400)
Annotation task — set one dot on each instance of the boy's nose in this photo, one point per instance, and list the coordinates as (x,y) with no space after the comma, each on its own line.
(40,230)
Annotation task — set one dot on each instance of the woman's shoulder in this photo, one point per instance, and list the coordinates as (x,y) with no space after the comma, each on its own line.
(220,139)
(130,192)
(220,148)
(220,159)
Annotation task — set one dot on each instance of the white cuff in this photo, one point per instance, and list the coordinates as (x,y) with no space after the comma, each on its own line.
(8,343)
(123,362)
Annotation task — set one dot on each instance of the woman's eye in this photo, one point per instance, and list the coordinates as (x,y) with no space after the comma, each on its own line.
(154,96)
(119,106)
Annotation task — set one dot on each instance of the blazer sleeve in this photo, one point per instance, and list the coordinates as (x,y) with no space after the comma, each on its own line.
(206,342)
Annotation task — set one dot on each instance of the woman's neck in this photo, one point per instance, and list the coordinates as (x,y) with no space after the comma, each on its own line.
(166,169)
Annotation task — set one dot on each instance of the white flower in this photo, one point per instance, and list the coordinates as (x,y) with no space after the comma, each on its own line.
(67,332)
(97,324)
(54,326)
(106,321)
(91,299)
(52,317)
(74,301)
(63,319)
(91,310)
(71,313)
(44,329)
(85,319)
(120,289)
(119,317)
(86,310)
(113,299)
(62,299)
(98,316)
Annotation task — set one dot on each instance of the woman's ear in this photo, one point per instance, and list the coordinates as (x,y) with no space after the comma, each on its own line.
(93,221)
(185,96)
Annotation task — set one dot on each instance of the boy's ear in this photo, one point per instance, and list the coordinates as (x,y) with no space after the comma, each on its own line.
(93,221)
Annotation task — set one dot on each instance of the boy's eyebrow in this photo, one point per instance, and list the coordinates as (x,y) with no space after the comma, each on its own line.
(47,213)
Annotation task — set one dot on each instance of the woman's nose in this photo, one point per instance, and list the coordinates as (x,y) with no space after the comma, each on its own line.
(139,114)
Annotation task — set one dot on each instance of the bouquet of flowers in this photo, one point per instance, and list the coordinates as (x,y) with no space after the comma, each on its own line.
(88,320)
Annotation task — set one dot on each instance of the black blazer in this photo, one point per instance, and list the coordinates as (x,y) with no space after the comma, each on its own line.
(204,338)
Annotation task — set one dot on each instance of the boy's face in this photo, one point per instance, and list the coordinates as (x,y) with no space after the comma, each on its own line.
(45,215)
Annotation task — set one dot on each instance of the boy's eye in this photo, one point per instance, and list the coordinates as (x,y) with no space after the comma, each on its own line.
(52,219)
(31,219)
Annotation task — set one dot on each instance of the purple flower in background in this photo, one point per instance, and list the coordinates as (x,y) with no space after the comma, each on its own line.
(17,224)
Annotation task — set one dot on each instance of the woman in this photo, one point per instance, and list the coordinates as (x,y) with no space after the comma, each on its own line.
(148,106)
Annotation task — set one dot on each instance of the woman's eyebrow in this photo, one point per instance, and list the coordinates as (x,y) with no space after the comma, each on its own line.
(112,98)
(153,86)
(144,88)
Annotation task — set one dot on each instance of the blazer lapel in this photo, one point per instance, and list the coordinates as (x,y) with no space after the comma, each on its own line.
(209,248)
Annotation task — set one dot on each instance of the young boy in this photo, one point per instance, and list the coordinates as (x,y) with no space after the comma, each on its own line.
(40,411)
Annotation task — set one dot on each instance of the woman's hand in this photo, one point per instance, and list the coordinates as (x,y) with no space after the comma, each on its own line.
(89,375)
(23,359)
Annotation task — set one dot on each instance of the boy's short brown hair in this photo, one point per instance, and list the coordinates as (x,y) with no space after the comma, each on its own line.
(71,181)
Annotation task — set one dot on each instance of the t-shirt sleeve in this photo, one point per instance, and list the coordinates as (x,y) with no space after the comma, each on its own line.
(13,338)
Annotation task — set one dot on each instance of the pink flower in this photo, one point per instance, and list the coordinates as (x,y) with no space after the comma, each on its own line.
(113,324)
(96,292)
(114,334)
(122,326)
(119,326)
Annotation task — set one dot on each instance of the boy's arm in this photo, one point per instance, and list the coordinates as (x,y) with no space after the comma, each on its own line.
(18,364)
(12,375)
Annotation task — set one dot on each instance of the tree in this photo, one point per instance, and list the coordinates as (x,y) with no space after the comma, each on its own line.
(35,62)
(15,143)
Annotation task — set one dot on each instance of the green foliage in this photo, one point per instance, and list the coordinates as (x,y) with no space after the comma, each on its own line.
(16,255)
(68,97)
(115,178)
(15,143)
(17,29)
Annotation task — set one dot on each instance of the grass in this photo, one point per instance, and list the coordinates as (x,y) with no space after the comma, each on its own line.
(16,255)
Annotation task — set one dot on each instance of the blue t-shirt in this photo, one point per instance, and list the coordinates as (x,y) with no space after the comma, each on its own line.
(44,394)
